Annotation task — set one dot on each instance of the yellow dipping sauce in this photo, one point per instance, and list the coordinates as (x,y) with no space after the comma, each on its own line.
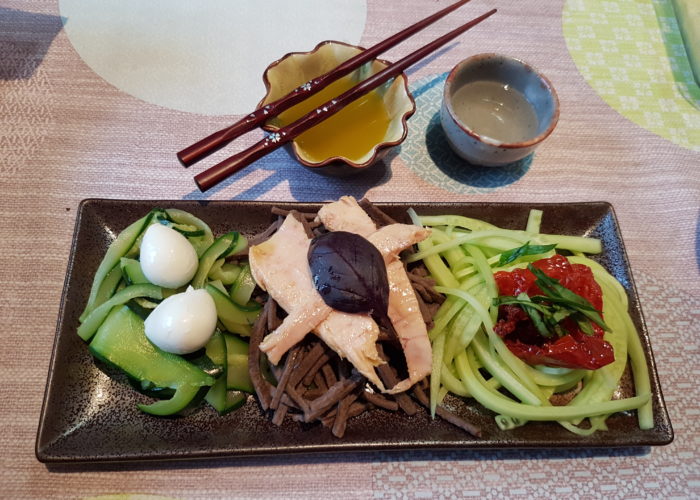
(351,133)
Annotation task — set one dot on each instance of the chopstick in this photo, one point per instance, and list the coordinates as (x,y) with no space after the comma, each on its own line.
(217,140)
(212,176)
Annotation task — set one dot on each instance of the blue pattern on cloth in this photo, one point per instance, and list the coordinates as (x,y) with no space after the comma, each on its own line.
(427,153)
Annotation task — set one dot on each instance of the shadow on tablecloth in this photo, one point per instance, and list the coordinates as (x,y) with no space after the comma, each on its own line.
(428,154)
(280,167)
(25,38)
(360,457)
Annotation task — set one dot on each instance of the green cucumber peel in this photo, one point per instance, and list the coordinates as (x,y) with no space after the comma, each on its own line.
(131,269)
(235,318)
(119,248)
(222,247)
(183,397)
(237,376)
(200,243)
(243,286)
(121,341)
(97,316)
(187,230)
(225,272)
(108,287)
(218,396)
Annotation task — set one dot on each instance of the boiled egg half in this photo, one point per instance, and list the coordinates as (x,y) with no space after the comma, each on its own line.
(167,258)
(183,322)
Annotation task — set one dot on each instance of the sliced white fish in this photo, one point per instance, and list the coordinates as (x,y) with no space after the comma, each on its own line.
(405,316)
(393,239)
(404,311)
(353,336)
(280,266)
(346,215)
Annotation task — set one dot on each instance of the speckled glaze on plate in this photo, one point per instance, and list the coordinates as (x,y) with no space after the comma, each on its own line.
(89,412)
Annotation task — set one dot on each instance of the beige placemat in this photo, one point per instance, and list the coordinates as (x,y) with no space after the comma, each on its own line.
(66,134)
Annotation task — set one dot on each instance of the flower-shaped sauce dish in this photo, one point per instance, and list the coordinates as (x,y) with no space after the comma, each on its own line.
(497,109)
(357,136)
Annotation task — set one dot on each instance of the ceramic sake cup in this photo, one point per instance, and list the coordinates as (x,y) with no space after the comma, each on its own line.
(297,68)
(478,148)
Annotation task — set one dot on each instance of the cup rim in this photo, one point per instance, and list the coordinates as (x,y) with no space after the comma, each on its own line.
(487,140)
(378,150)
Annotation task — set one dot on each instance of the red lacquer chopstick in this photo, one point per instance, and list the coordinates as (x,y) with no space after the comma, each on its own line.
(221,171)
(217,140)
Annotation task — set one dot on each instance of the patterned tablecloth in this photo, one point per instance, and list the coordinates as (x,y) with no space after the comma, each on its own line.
(95,98)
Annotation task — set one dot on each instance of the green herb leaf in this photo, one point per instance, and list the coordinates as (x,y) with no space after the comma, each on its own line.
(558,303)
(544,309)
(555,292)
(537,320)
(585,327)
(565,302)
(560,313)
(527,249)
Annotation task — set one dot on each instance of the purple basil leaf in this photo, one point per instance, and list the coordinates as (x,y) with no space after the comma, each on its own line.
(349,273)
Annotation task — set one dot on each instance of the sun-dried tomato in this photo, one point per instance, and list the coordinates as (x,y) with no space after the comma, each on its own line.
(573,350)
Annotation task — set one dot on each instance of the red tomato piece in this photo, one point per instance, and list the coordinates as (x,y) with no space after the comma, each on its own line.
(573,350)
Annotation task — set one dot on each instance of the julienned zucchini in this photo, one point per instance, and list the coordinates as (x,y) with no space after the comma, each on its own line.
(109,286)
(121,341)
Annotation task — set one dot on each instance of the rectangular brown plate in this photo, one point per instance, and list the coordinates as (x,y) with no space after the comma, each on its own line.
(90,414)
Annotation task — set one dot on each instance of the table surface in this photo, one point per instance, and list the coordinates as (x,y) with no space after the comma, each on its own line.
(85,112)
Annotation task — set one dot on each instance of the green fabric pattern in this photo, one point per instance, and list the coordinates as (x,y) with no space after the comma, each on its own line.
(632,54)
(688,17)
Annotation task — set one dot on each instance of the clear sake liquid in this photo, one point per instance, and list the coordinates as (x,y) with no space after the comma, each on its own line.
(495,110)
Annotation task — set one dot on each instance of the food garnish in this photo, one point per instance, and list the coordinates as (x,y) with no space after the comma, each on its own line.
(327,381)
(207,307)
(571,352)
(349,274)
(515,318)
(510,255)
(549,314)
